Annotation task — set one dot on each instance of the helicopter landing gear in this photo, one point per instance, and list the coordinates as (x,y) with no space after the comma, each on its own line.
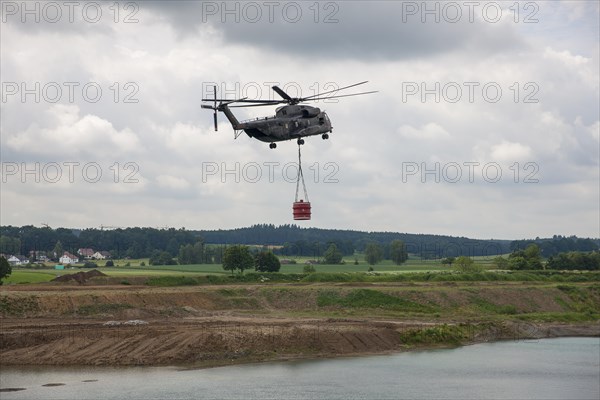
(300,142)
(325,136)
(272,145)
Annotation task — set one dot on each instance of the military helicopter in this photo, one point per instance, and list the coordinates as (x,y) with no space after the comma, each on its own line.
(292,121)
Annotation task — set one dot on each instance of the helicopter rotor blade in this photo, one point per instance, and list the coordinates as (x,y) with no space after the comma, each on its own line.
(215,108)
(215,113)
(343,95)
(333,91)
(259,105)
(280,92)
(244,100)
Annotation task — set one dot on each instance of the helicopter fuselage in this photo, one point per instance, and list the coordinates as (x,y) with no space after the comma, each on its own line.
(290,122)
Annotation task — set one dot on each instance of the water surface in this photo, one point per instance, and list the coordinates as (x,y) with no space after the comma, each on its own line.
(564,368)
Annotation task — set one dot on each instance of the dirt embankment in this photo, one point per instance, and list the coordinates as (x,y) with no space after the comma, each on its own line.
(217,325)
(223,340)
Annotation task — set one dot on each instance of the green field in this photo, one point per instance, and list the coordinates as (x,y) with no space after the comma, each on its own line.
(23,275)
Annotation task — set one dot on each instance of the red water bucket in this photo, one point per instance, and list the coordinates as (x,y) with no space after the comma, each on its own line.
(301,210)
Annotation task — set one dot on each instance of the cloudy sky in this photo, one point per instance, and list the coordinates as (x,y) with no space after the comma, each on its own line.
(485,125)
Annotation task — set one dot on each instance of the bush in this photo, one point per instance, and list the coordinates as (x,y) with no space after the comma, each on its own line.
(162,258)
(89,264)
(309,269)
(5,269)
(466,264)
(266,261)
(109,263)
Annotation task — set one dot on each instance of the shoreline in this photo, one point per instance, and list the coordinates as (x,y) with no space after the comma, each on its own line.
(75,348)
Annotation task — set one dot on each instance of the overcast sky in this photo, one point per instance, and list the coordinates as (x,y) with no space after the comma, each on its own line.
(486,122)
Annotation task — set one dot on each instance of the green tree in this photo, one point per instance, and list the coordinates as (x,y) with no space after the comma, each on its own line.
(191,254)
(575,260)
(185,254)
(136,250)
(466,264)
(266,261)
(398,252)
(373,253)
(161,258)
(501,262)
(533,256)
(237,257)
(5,269)
(172,246)
(309,269)
(448,261)
(332,255)
(10,245)
(530,258)
(58,250)
(517,262)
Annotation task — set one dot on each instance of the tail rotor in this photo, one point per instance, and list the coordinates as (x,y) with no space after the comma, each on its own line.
(214,107)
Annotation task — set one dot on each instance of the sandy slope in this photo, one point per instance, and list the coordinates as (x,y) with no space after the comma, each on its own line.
(203,326)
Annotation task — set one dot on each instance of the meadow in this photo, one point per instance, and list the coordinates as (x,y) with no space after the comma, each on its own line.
(140,267)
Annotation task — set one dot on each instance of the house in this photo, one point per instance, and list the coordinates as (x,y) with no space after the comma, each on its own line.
(86,253)
(23,260)
(12,260)
(101,255)
(38,255)
(68,258)
(18,260)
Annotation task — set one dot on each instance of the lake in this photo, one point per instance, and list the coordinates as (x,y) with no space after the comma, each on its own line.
(563,368)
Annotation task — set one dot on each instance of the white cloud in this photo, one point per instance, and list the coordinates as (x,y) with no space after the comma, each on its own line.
(73,135)
(172,182)
(507,151)
(171,138)
(566,57)
(429,131)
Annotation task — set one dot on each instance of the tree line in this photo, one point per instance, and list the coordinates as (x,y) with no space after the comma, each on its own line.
(287,240)
(313,242)
(121,243)
(557,244)
(531,258)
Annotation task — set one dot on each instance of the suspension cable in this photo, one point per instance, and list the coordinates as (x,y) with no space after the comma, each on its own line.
(300,178)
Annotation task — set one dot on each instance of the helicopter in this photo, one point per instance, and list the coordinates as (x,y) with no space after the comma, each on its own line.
(291,121)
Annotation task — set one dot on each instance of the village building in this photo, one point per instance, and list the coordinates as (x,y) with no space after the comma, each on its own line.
(68,258)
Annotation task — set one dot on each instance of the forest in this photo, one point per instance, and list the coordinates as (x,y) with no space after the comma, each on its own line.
(285,240)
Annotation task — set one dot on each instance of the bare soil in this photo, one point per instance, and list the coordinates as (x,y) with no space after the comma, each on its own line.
(216,325)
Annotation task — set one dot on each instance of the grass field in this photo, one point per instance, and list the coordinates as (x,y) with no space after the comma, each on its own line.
(20,276)
(125,268)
